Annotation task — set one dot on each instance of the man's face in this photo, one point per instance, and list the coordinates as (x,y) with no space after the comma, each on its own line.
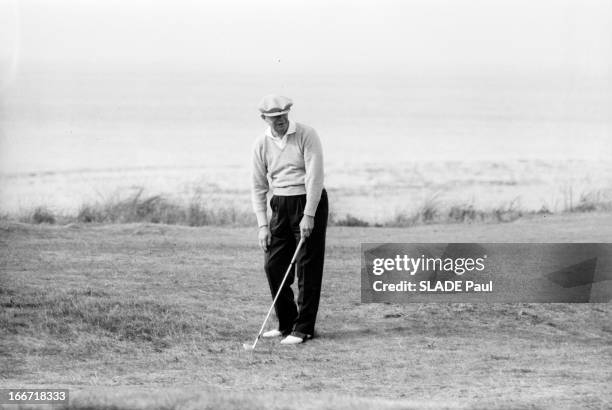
(279,124)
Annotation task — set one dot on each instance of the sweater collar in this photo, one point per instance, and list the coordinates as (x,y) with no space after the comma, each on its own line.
(290,130)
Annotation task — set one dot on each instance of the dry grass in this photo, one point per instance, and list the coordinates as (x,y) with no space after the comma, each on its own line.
(157,306)
(197,212)
(158,209)
(595,201)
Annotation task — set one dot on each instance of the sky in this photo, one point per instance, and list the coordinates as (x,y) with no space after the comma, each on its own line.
(309,36)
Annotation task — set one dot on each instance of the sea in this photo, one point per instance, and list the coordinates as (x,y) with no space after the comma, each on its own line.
(392,141)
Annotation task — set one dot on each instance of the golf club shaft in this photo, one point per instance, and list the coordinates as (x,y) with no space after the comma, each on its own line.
(302,240)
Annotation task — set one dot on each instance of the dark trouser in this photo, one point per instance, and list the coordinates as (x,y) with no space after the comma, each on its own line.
(287,212)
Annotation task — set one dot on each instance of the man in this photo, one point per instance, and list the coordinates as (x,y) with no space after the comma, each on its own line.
(290,155)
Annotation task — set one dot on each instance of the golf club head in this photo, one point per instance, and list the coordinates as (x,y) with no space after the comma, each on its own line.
(248,346)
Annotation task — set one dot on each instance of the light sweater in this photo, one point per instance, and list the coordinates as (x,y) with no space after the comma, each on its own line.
(294,167)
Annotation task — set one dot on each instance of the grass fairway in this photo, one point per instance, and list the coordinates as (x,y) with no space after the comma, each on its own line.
(153,316)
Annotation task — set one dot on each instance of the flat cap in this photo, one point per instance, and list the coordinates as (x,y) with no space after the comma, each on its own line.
(273,105)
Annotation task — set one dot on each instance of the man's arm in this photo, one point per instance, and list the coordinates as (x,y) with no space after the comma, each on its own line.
(259,191)
(313,160)
(259,185)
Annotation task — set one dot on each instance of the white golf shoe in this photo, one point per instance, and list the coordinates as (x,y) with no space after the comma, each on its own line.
(271,333)
(292,340)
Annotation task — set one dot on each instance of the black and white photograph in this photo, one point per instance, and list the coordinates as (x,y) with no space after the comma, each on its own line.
(305,204)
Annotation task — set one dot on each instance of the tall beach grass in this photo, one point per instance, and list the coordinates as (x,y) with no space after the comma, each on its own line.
(140,207)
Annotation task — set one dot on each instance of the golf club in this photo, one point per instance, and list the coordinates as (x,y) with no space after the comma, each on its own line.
(248,346)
